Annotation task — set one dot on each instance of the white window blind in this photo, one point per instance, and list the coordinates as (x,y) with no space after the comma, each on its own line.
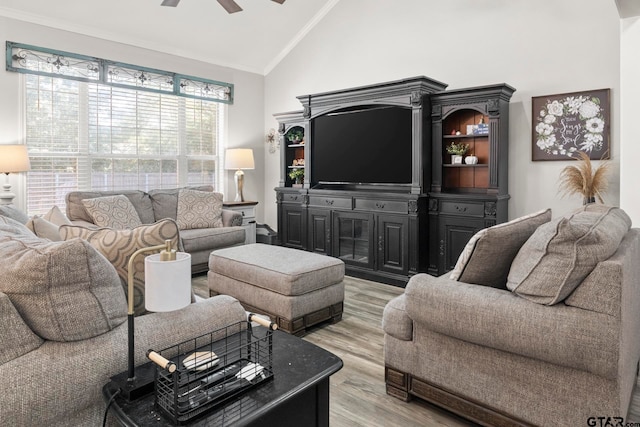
(84,136)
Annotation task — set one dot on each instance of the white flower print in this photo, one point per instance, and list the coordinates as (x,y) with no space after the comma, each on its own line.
(555,108)
(589,109)
(595,125)
(550,119)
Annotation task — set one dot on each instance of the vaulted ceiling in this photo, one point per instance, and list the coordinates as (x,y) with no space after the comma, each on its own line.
(254,39)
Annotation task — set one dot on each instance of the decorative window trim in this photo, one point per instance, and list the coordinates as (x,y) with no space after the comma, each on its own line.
(28,59)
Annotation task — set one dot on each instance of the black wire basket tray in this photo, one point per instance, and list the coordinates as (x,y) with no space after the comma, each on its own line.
(195,376)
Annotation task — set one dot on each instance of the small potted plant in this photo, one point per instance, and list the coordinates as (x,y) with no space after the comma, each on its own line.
(457,150)
(295,136)
(297,176)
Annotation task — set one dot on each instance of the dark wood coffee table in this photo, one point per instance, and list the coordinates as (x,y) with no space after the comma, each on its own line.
(298,394)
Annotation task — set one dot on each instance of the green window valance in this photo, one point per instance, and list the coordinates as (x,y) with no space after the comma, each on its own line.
(22,58)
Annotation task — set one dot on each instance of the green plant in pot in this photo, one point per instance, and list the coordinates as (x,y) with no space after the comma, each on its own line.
(457,150)
(295,135)
(297,175)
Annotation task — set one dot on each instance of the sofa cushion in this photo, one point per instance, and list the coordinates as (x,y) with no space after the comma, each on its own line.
(14,213)
(560,254)
(199,209)
(487,257)
(16,337)
(118,245)
(165,201)
(140,200)
(199,239)
(112,211)
(64,291)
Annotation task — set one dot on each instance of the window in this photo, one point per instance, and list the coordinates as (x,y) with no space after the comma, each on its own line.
(86,135)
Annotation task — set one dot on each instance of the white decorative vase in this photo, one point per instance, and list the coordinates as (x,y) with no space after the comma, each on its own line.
(471,160)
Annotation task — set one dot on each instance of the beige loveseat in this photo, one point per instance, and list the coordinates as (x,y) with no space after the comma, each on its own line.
(64,333)
(160,204)
(540,330)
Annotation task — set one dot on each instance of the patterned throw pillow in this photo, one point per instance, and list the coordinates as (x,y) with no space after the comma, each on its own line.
(563,252)
(487,257)
(199,209)
(112,211)
(118,245)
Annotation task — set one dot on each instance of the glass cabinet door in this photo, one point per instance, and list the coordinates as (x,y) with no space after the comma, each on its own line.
(353,238)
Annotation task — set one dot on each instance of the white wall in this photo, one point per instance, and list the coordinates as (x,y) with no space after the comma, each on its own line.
(630,135)
(245,119)
(541,48)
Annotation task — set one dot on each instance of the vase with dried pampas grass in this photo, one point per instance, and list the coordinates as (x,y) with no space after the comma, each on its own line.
(584,179)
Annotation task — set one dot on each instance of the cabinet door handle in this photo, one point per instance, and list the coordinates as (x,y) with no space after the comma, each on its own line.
(442,247)
(380,243)
(379,205)
(328,201)
(461,209)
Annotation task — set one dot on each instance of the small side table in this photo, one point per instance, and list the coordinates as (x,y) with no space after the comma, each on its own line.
(248,210)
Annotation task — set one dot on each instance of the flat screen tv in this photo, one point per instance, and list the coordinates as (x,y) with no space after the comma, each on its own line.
(362,146)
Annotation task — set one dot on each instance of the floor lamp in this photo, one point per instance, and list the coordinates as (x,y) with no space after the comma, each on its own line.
(167,288)
(238,159)
(13,158)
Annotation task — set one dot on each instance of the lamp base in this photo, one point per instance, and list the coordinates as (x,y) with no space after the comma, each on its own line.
(141,385)
(6,196)
(239,177)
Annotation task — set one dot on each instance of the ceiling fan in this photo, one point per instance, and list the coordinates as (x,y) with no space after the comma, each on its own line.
(229,5)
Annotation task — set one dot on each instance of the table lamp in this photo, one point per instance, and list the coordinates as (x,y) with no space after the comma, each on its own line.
(239,159)
(13,158)
(167,288)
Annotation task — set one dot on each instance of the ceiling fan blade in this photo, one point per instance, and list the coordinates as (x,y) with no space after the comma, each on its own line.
(171,3)
(230,6)
(279,1)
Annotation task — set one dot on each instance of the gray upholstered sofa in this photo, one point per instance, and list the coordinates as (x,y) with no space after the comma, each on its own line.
(64,333)
(155,205)
(539,330)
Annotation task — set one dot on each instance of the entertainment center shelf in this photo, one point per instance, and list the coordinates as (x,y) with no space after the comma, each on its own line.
(379,189)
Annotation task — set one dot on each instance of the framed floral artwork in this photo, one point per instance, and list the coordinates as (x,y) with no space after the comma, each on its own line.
(567,123)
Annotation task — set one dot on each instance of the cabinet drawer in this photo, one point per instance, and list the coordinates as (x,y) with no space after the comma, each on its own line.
(462,208)
(288,197)
(382,205)
(330,202)
(249,212)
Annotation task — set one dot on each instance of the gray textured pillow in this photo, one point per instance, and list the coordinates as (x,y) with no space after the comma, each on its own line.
(112,211)
(562,253)
(199,209)
(487,257)
(12,212)
(64,291)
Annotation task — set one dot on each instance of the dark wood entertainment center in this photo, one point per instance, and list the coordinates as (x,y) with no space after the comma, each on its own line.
(388,231)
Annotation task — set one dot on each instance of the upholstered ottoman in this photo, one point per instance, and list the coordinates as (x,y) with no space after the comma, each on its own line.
(296,289)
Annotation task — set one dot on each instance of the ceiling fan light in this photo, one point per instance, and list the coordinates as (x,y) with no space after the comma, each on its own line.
(170,3)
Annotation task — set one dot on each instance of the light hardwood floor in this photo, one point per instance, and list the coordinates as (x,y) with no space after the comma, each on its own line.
(358,396)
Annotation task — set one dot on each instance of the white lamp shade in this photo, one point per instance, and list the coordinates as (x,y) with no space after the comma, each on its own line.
(239,158)
(167,284)
(14,158)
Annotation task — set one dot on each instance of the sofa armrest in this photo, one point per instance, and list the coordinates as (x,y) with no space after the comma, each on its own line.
(395,320)
(59,379)
(498,319)
(231,218)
